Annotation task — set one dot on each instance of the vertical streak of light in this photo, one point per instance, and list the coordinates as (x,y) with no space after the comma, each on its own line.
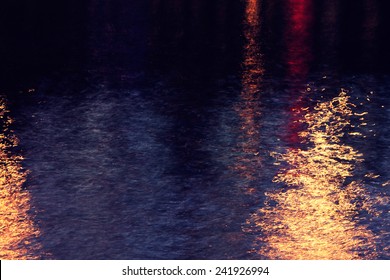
(298,37)
(248,108)
(17,230)
(298,57)
(253,66)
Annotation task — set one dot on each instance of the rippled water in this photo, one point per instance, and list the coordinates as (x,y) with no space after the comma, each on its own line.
(203,147)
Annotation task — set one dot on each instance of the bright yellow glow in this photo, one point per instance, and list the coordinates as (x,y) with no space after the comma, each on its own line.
(313,217)
(16,228)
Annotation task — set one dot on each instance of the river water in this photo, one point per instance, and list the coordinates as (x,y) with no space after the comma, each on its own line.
(195,130)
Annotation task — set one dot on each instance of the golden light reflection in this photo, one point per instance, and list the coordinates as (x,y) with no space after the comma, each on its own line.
(313,217)
(248,108)
(16,227)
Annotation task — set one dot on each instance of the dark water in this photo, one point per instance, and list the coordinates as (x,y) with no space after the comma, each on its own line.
(195,130)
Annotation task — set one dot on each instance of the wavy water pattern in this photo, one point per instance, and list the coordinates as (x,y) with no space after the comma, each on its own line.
(17,229)
(315,216)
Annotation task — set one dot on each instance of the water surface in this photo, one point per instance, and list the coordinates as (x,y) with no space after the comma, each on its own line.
(196,130)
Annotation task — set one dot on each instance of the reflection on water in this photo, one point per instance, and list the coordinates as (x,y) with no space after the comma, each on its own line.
(298,57)
(253,67)
(154,140)
(16,227)
(248,108)
(298,37)
(313,217)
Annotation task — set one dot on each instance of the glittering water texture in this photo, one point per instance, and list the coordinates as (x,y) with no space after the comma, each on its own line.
(202,129)
(17,229)
(316,215)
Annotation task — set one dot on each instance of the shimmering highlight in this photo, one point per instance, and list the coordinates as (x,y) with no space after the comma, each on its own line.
(16,227)
(314,216)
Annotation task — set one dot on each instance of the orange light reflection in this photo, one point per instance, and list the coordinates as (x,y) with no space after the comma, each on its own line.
(249,161)
(16,227)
